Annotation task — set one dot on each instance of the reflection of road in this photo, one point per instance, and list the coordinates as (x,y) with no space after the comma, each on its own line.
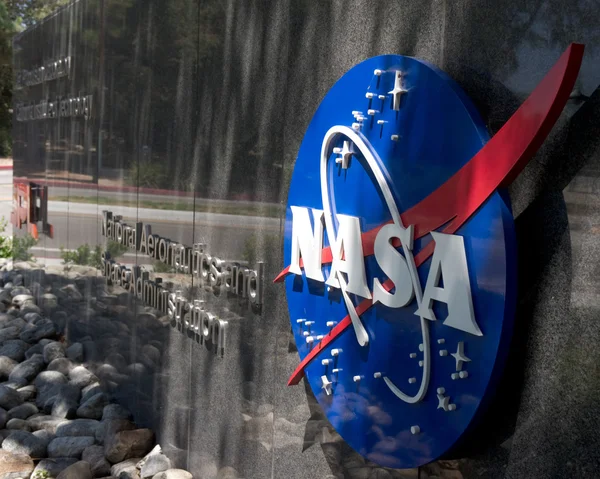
(76,224)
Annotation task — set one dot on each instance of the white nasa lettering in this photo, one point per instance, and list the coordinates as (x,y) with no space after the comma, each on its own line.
(307,243)
(394,266)
(450,262)
(348,243)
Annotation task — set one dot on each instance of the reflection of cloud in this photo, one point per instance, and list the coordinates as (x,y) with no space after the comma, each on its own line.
(379,416)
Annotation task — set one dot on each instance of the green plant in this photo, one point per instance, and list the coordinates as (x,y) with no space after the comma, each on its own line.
(115,249)
(41,475)
(21,246)
(160,267)
(84,255)
(148,174)
(5,241)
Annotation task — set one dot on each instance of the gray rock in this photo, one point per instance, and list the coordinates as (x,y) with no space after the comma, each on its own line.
(48,301)
(111,426)
(90,391)
(27,392)
(62,365)
(124,467)
(174,474)
(46,423)
(82,377)
(3,418)
(14,349)
(117,361)
(75,352)
(15,384)
(23,442)
(28,369)
(52,467)
(13,466)
(18,424)
(155,463)
(20,299)
(93,407)
(35,349)
(53,350)
(115,411)
(66,401)
(126,444)
(23,411)
(72,292)
(6,366)
(12,332)
(69,446)
(49,385)
(79,470)
(94,455)
(78,427)
(9,398)
(39,331)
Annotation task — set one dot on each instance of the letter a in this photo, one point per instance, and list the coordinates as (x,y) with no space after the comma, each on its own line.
(307,242)
(450,262)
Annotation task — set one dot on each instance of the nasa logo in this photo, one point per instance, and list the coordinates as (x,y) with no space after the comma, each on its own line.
(401,249)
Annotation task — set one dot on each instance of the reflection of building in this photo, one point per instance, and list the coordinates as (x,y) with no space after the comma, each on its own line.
(199,109)
(30,206)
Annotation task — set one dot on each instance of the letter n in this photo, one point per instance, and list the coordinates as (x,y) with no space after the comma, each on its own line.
(307,242)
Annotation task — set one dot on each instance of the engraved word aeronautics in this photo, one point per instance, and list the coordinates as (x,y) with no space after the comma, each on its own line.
(402,266)
(209,271)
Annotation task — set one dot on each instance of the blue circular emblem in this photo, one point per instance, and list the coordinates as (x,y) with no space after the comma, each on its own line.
(401,323)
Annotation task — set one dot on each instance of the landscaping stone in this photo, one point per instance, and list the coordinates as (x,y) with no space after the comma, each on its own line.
(94,455)
(93,407)
(90,391)
(62,365)
(9,398)
(15,465)
(39,331)
(52,351)
(75,352)
(126,444)
(79,470)
(66,401)
(18,424)
(174,474)
(14,349)
(46,423)
(115,411)
(155,462)
(111,426)
(6,366)
(69,446)
(81,377)
(124,467)
(27,392)
(23,411)
(78,427)
(23,442)
(52,467)
(28,370)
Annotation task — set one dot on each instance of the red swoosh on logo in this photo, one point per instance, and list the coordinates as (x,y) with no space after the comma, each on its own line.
(496,165)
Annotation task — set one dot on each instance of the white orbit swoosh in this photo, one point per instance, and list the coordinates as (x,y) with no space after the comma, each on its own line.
(374,162)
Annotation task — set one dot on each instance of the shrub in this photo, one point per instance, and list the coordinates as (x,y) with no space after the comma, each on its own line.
(21,247)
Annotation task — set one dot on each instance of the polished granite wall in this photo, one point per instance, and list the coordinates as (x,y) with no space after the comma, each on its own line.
(199,110)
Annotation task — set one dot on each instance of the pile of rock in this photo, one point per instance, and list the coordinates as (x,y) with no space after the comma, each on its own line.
(57,420)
